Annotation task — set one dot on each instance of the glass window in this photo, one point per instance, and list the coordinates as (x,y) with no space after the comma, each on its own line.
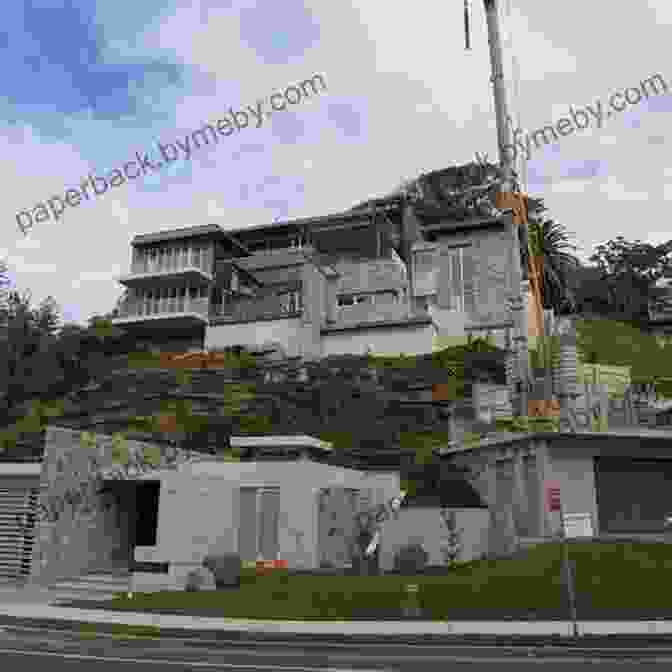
(196,257)
(451,280)
(346,301)
(258,527)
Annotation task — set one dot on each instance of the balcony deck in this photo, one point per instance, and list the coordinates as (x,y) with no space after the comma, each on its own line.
(147,275)
(168,312)
(252,311)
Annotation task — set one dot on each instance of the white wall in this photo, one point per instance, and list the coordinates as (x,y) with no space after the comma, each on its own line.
(425,526)
(285,331)
(199,510)
(386,340)
(197,515)
(576,475)
(448,322)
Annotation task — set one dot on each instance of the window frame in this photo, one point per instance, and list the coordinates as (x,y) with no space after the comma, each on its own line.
(259,491)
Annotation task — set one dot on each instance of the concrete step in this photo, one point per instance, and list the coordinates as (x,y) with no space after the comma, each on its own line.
(100,586)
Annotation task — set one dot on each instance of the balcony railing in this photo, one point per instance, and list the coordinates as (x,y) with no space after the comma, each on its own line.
(258,308)
(172,264)
(165,306)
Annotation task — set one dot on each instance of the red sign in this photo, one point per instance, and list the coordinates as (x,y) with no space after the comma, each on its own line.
(553,496)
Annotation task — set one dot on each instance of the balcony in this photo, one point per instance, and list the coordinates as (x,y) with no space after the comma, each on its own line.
(195,270)
(244,309)
(173,312)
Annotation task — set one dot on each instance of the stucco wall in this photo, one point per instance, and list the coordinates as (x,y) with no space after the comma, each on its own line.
(370,275)
(576,475)
(392,340)
(199,511)
(425,526)
(486,268)
(285,331)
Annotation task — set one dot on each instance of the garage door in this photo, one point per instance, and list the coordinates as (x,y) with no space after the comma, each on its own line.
(633,495)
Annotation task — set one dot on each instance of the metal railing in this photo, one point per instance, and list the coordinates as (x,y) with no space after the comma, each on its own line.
(163,306)
(172,264)
(257,308)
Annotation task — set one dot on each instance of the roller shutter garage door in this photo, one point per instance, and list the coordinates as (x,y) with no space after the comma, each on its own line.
(633,495)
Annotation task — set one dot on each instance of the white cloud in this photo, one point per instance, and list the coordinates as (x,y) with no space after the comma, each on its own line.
(616,191)
(419,100)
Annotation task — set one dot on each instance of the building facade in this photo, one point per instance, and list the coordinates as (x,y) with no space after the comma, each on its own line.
(382,278)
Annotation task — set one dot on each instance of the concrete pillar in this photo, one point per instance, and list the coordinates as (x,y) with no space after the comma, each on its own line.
(544,473)
(312,293)
(567,374)
(331,291)
(520,495)
(410,233)
(494,535)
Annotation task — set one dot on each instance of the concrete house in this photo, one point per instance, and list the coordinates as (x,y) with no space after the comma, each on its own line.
(392,275)
(152,516)
(612,484)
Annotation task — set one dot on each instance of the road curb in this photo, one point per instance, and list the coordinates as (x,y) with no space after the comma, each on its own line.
(635,645)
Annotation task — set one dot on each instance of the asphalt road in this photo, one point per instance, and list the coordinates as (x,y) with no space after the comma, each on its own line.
(57,651)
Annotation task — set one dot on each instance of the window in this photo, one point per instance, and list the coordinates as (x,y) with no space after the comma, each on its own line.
(352,300)
(258,528)
(451,279)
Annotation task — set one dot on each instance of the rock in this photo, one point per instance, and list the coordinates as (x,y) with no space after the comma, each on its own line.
(200,579)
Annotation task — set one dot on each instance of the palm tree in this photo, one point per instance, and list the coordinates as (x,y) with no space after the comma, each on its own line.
(550,246)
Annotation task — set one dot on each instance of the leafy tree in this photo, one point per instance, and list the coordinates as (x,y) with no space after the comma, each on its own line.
(631,271)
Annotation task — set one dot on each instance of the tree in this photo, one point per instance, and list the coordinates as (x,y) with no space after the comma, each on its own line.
(550,247)
(631,271)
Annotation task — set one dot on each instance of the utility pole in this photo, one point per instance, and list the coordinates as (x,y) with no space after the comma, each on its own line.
(517,303)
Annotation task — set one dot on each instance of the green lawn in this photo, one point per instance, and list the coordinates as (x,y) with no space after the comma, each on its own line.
(613,580)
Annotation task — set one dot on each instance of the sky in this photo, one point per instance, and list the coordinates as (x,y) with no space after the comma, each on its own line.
(88,83)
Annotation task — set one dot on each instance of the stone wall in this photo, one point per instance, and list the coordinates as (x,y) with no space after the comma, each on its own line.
(78,528)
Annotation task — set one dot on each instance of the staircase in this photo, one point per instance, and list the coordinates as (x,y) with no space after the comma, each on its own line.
(18,507)
(94,586)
